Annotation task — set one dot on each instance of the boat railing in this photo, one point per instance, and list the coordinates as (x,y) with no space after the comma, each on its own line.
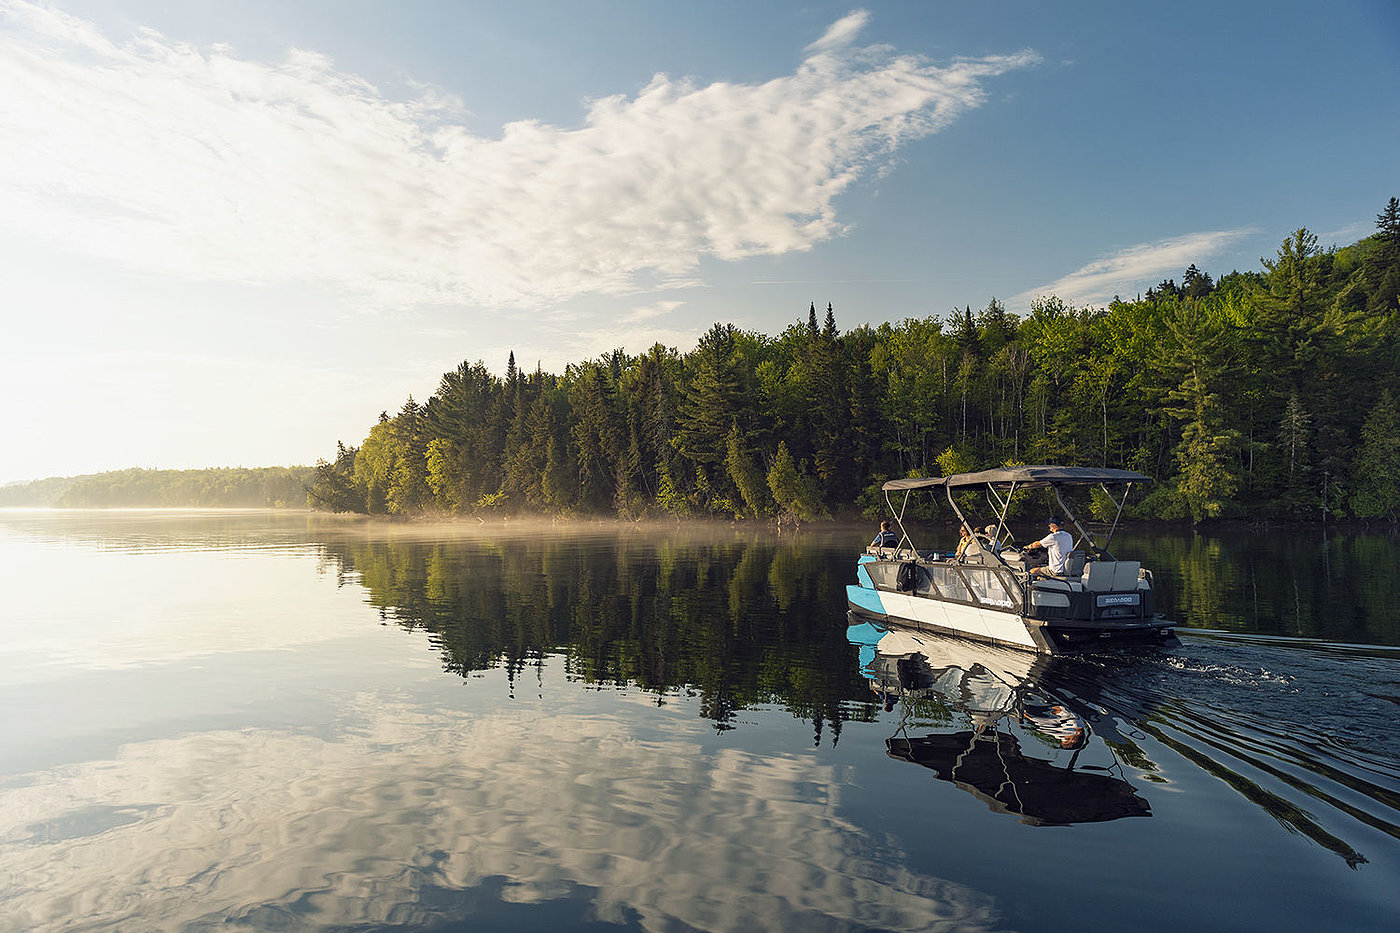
(977,584)
(981,557)
(901,553)
(1095,575)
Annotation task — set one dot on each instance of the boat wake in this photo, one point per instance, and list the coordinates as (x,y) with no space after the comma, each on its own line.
(1303,732)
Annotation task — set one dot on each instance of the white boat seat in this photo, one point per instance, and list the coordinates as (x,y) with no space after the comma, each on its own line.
(1125,575)
(1074,564)
(1050,593)
(1099,576)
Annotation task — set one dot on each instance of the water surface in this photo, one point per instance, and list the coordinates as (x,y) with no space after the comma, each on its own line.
(293,722)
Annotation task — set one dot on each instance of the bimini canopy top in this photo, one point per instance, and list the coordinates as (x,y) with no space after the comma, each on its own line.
(1021,477)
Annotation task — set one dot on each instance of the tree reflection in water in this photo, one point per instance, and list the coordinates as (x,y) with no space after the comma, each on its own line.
(1295,581)
(737,618)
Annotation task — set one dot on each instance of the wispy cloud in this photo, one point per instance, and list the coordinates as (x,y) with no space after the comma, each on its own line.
(183,161)
(842,32)
(1135,268)
(1346,235)
(588,335)
(640,313)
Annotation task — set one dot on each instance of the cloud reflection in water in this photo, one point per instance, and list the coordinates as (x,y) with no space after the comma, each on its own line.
(373,823)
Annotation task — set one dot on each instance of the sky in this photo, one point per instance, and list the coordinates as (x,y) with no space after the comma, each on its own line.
(231,234)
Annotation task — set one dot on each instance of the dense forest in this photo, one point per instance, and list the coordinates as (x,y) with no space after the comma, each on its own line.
(223,487)
(1262,395)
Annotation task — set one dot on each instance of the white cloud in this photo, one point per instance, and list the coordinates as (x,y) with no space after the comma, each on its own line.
(180,161)
(650,311)
(842,32)
(1135,268)
(1347,235)
(578,335)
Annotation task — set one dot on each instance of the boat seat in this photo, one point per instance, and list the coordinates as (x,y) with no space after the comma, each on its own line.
(1125,575)
(1074,564)
(1099,576)
(1051,593)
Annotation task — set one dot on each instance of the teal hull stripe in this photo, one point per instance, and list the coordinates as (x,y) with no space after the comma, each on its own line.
(866,598)
(862,577)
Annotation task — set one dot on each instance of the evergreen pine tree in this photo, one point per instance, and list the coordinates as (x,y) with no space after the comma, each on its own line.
(1376,473)
(1388,222)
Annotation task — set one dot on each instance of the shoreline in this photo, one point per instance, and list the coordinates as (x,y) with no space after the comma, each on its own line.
(778,524)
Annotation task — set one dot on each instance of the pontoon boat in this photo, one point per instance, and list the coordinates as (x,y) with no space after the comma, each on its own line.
(989,593)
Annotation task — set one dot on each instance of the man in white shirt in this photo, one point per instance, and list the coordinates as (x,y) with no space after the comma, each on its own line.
(1057,546)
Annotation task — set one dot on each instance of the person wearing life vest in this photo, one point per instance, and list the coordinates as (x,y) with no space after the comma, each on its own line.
(964,539)
(885,537)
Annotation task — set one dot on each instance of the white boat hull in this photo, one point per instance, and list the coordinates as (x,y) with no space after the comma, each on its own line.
(983,624)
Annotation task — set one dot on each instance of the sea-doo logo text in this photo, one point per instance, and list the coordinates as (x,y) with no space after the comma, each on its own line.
(1127,599)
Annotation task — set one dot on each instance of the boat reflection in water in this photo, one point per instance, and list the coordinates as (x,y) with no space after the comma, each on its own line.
(980,717)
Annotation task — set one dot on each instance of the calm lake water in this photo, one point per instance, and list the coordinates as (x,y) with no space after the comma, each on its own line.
(274,721)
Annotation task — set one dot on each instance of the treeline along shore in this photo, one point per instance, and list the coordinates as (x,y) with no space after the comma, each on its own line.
(1260,395)
(135,488)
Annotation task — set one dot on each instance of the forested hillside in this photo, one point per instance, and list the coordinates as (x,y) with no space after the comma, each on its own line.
(222,487)
(1267,394)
